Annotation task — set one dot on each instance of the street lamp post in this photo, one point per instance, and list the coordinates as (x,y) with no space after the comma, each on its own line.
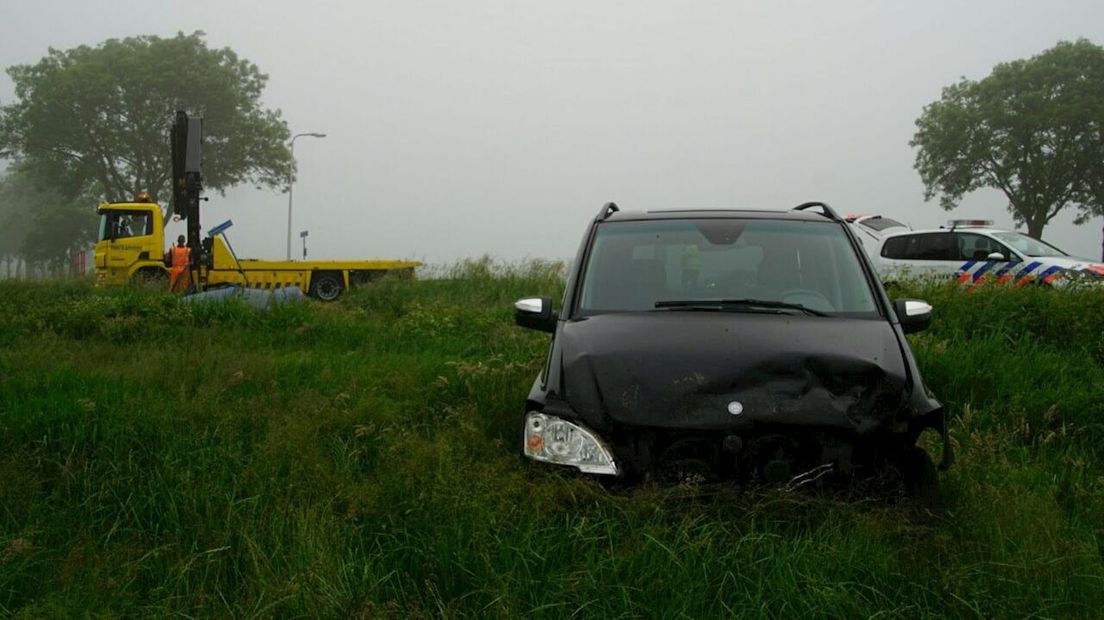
(291,181)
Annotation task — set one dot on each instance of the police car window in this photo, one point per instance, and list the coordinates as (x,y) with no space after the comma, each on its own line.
(979,247)
(894,247)
(881,223)
(926,246)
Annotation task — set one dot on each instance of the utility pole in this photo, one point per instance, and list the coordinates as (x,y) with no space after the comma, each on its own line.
(291,180)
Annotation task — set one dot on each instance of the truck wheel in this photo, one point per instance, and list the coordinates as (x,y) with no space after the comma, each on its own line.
(151,278)
(327,286)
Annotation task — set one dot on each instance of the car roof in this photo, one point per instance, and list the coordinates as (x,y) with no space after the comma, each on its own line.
(689,214)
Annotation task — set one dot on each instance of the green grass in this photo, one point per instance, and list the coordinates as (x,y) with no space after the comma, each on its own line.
(356,459)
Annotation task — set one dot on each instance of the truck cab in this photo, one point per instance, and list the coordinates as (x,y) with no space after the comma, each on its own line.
(130,243)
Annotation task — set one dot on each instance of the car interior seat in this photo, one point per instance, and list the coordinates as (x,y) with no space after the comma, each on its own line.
(778,272)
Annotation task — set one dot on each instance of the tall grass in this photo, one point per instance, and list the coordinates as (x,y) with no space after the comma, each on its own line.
(356,459)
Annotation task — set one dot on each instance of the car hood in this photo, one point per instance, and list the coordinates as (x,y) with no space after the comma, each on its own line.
(1073,262)
(724,370)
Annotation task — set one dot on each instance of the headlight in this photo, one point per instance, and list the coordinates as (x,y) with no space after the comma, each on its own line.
(554,440)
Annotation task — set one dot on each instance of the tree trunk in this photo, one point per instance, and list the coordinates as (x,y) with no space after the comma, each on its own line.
(1035,228)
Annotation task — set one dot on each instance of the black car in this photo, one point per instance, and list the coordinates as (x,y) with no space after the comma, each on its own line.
(748,344)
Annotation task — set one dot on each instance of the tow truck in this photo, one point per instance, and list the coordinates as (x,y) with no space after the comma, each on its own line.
(131,241)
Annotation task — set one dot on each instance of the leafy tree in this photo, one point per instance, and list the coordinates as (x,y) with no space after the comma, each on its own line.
(57,232)
(1034,129)
(95,120)
(40,226)
(14,222)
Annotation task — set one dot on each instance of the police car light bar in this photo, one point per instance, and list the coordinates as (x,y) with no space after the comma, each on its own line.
(957,223)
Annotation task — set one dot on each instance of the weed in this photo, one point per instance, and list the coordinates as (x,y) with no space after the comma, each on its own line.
(358,459)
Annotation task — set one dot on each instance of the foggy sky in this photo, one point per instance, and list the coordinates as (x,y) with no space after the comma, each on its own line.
(457,129)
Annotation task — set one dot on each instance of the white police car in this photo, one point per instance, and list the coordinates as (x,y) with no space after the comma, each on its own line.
(972,253)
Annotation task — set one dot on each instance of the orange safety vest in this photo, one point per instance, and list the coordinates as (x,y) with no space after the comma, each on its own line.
(178,278)
(180,256)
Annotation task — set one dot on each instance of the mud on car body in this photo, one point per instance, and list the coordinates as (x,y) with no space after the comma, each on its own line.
(748,344)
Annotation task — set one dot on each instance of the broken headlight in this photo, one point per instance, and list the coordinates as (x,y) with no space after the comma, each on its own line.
(555,440)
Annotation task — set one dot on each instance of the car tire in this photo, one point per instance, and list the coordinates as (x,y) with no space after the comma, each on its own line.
(327,286)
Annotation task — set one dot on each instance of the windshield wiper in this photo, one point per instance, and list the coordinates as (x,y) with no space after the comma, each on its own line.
(733,304)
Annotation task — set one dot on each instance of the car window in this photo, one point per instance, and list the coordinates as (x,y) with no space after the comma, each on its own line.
(972,246)
(921,246)
(632,265)
(881,223)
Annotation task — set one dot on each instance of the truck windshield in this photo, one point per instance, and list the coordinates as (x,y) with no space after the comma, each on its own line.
(635,265)
(120,224)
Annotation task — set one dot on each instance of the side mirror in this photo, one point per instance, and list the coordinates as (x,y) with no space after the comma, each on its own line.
(996,256)
(915,315)
(535,313)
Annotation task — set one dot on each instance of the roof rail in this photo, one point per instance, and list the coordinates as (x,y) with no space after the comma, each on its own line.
(824,209)
(607,210)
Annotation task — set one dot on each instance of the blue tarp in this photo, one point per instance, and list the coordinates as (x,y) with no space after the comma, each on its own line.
(260,299)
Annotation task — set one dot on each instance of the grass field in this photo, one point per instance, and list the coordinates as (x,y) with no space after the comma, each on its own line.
(357,459)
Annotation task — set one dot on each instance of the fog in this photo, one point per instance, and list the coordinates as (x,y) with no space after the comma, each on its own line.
(462,129)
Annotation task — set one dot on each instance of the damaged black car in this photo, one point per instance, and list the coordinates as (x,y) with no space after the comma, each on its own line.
(755,345)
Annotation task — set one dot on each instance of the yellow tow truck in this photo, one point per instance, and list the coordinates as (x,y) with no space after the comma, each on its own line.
(131,246)
(131,243)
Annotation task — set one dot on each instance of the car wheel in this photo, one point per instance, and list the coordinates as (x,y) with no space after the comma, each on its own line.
(327,286)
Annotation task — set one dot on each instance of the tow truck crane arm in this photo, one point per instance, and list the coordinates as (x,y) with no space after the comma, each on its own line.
(186,137)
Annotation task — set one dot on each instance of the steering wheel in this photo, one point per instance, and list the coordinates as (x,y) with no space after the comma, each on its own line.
(814,300)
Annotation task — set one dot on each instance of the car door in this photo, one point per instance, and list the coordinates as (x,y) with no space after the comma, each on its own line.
(979,257)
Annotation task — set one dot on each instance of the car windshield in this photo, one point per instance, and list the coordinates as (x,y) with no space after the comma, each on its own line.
(1028,246)
(725,265)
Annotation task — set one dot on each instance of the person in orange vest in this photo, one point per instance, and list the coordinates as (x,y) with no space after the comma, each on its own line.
(178,258)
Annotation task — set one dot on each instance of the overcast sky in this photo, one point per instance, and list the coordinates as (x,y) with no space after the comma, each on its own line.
(457,129)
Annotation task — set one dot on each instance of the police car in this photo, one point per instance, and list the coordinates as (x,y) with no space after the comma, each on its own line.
(972,252)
